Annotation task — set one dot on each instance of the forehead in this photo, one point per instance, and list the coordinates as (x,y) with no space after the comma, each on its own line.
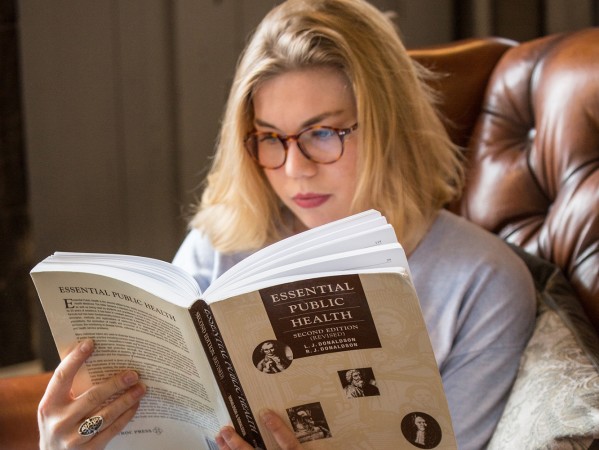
(299,95)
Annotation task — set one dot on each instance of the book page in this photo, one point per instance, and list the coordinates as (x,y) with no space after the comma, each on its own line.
(322,246)
(372,257)
(133,329)
(278,252)
(163,279)
(345,360)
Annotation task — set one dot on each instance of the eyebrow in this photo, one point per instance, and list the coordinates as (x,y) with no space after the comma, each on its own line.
(308,123)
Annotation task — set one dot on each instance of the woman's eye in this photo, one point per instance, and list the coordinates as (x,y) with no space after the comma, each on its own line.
(322,133)
(268,139)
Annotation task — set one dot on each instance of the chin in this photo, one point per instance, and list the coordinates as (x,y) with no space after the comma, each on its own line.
(315,220)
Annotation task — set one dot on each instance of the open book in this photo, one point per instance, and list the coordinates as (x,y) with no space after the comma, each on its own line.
(324,327)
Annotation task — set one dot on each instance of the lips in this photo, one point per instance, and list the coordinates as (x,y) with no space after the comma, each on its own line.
(310,200)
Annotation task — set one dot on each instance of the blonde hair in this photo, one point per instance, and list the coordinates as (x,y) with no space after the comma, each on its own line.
(407,164)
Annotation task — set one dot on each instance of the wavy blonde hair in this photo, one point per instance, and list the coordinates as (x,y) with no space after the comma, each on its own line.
(408,166)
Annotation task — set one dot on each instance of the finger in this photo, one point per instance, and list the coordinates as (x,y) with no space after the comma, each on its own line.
(220,441)
(115,415)
(59,387)
(228,439)
(55,421)
(107,433)
(280,431)
(95,397)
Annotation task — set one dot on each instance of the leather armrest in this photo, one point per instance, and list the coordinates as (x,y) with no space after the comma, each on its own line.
(19,399)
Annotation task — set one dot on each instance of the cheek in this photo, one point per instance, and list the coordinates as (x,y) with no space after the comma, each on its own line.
(275,179)
(347,174)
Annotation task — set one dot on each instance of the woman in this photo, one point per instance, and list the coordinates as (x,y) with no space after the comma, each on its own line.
(328,116)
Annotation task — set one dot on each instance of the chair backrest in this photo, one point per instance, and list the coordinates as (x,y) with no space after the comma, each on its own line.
(463,69)
(533,175)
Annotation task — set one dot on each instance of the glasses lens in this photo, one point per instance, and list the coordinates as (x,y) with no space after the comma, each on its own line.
(322,144)
(267,149)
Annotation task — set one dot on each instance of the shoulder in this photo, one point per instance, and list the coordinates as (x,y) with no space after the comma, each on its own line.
(195,250)
(479,303)
(468,278)
(198,256)
(464,249)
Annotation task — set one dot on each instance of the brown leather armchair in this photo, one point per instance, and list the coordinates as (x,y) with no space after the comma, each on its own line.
(528,118)
(532,143)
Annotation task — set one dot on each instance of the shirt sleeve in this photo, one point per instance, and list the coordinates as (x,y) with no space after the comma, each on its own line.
(196,256)
(480,368)
(478,301)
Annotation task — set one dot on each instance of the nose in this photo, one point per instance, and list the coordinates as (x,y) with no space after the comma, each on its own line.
(297,164)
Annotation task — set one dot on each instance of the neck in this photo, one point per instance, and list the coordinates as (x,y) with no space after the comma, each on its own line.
(414,237)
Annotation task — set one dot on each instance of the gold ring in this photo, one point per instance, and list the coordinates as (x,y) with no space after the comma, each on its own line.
(91,426)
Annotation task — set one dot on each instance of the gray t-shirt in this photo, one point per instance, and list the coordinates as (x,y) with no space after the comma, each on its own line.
(478,302)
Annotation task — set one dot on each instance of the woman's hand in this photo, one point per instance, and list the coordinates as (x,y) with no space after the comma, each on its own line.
(228,439)
(60,414)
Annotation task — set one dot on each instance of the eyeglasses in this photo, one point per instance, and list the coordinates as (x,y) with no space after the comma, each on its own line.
(322,145)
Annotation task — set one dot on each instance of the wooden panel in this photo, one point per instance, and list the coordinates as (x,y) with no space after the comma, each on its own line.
(15,254)
(71,125)
(99,101)
(564,15)
(422,22)
(520,20)
(145,123)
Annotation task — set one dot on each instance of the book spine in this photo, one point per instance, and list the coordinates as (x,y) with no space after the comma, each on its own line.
(225,374)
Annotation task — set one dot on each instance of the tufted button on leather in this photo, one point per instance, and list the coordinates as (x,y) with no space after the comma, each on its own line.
(532,133)
(544,199)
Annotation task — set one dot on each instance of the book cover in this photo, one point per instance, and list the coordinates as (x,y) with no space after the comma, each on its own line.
(354,363)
